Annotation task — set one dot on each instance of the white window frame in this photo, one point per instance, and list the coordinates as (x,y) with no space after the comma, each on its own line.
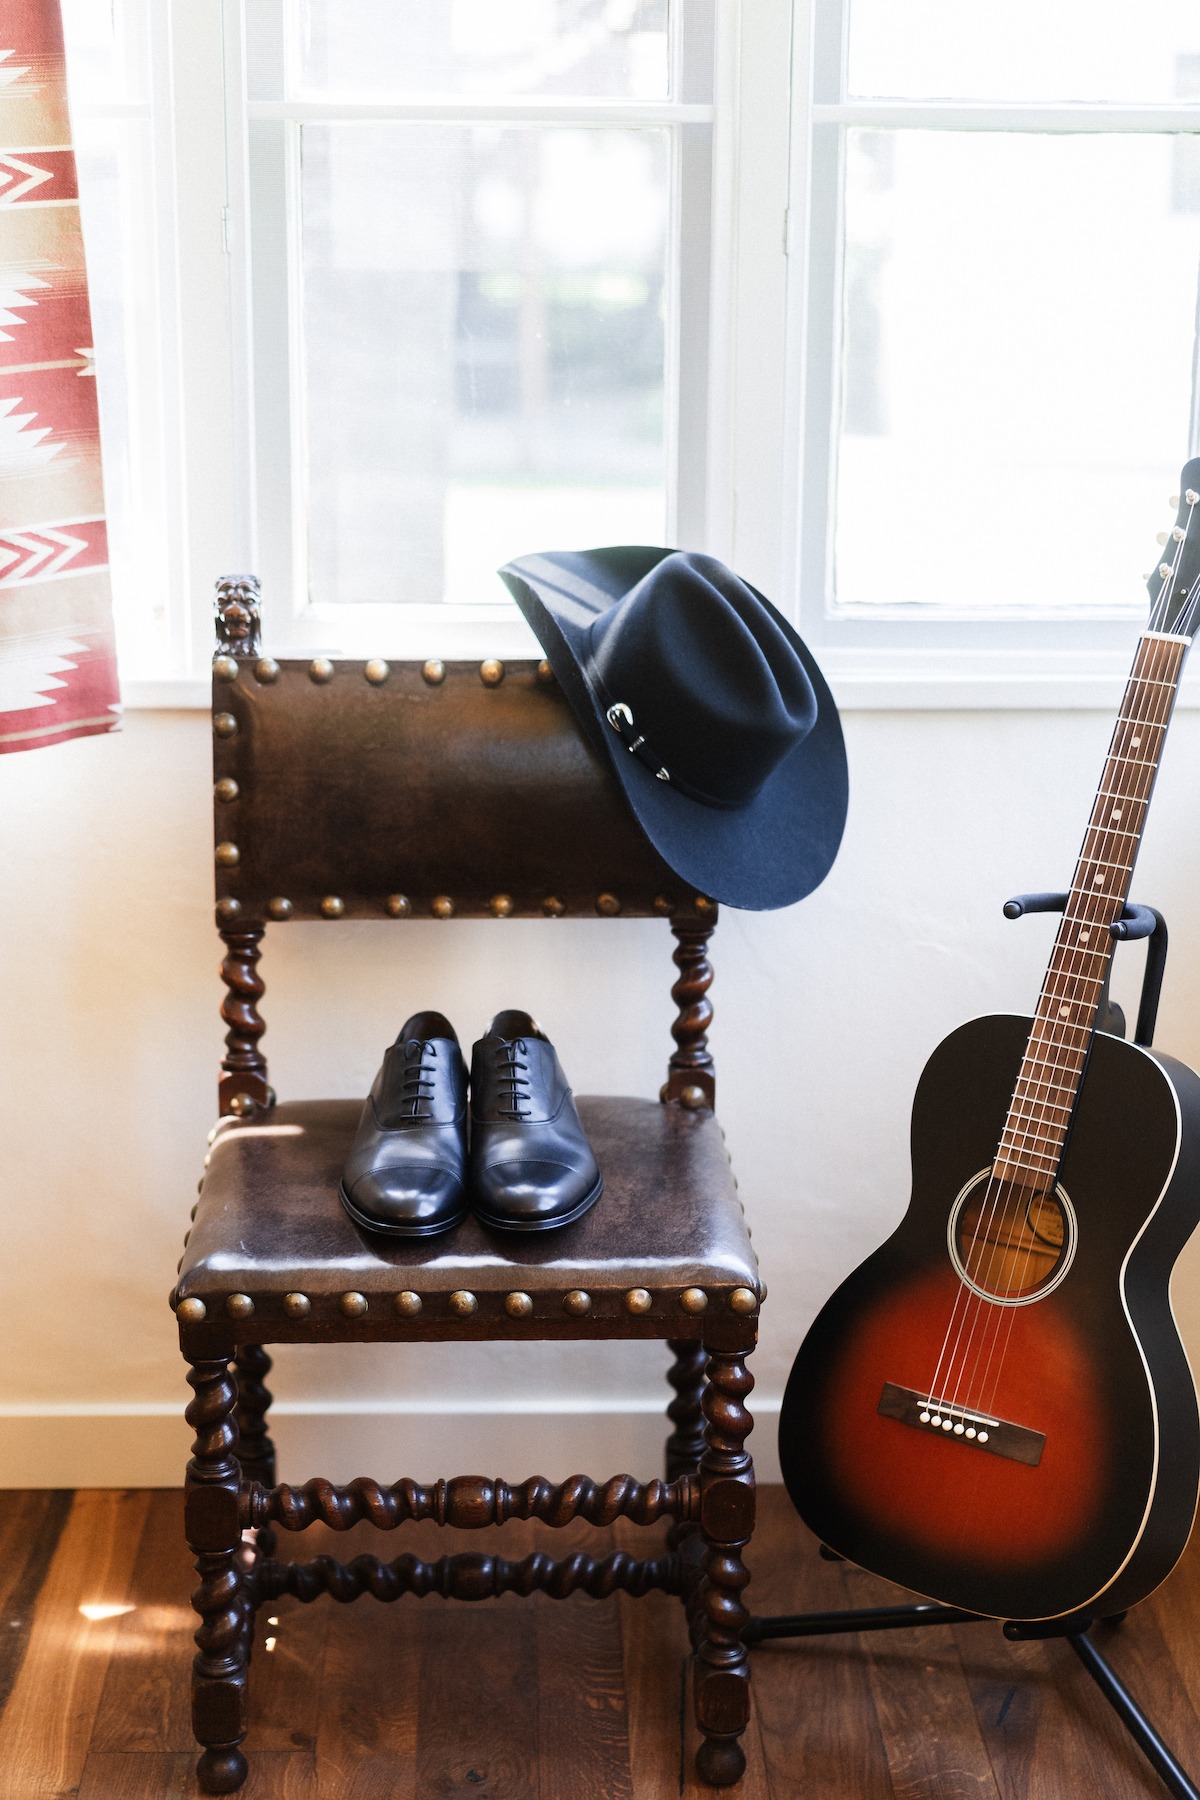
(753,426)
(898,656)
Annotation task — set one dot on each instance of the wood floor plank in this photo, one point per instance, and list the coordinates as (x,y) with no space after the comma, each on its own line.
(813,1696)
(583,1723)
(46,1728)
(158,1775)
(30,1527)
(478,1722)
(146,1702)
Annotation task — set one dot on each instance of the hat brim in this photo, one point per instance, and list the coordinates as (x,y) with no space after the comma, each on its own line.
(767,854)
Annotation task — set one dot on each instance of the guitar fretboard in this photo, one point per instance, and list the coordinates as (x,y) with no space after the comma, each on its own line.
(1039,1115)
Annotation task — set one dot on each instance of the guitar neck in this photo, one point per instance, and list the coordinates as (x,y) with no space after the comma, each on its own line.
(1039,1114)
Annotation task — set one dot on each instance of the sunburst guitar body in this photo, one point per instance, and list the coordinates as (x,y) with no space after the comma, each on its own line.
(996,1409)
(1083,1494)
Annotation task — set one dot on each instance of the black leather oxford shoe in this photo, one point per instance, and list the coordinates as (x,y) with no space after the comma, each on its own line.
(531,1166)
(405,1174)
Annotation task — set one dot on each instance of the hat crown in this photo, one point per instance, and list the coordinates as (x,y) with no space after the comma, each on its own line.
(704,677)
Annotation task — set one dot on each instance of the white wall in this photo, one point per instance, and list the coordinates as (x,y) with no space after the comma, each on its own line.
(824,1016)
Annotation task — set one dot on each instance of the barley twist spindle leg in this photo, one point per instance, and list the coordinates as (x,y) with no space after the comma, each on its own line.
(722,1665)
(214,1534)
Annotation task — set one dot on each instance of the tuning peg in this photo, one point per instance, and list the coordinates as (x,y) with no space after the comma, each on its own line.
(1179,534)
(1164,570)
(1174,500)
(1191,496)
(1160,537)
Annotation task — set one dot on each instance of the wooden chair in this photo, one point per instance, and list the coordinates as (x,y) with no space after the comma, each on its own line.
(355,790)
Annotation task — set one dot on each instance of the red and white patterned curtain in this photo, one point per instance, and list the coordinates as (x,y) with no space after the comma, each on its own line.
(58,672)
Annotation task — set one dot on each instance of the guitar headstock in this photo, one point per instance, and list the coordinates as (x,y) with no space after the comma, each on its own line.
(1175,584)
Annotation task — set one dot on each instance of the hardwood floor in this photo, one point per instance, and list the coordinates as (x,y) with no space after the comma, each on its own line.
(543,1699)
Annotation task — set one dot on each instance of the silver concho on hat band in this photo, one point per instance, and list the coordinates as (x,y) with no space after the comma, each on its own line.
(621,720)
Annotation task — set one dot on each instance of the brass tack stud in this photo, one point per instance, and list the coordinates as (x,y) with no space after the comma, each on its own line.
(501,905)
(434,672)
(377,671)
(577,1302)
(239,1306)
(228,908)
(743,1300)
(224,724)
(266,670)
(408,1304)
(545,672)
(638,1300)
(226,789)
(228,855)
(332,907)
(463,1304)
(694,1099)
(442,907)
(297,1306)
(608,905)
(399,905)
(704,906)
(553,907)
(243,1106)
(693,1300)
(191,1311)
(663,904)
(320,670)
(279,907)
(518,1305)
(195,1210)
(491,672)
(224,668)
(353,1305)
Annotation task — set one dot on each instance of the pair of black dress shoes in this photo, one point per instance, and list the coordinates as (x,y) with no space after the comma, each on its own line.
(528,1166)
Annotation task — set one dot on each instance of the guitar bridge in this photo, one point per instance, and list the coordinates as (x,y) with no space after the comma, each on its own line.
(996,1437)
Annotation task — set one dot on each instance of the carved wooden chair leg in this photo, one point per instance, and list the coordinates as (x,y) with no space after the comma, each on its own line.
(721,1667)
(256,1452)
(211,1513)
(685,1446)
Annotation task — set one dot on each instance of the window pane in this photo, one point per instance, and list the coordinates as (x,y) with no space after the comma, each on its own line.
(489,48)
(483,350)
(1019,320)
(1086,50)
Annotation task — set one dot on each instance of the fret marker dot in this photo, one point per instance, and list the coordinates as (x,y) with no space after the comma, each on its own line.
(1063,1011)
(1135,743)
(1084,936)
(1099,881)
(1116,813)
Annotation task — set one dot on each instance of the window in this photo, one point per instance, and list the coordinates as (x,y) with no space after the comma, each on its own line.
(463,227)
(999,315)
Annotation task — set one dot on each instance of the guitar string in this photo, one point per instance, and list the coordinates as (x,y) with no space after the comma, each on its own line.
(999,1216)
(1169,655)
(1001,1209)
(976,1383)
(973,1306)
(1064,977)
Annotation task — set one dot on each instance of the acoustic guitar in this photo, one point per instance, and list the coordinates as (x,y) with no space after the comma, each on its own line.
(995,1409)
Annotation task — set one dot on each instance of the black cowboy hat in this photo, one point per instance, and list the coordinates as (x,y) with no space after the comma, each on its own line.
(708,707)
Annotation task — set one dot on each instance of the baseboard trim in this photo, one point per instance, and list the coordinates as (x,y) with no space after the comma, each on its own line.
(147,1445)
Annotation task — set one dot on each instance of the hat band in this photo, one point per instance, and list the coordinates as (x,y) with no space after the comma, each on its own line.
(620,716)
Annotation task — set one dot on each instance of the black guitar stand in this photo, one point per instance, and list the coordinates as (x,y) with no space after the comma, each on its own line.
(1135,922)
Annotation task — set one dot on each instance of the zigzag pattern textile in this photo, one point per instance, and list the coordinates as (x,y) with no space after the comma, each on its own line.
(58,672)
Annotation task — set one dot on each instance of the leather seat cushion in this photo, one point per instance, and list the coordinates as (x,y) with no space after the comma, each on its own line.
(269,1220)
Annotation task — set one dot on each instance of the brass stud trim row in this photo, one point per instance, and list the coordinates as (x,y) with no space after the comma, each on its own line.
(577,1303)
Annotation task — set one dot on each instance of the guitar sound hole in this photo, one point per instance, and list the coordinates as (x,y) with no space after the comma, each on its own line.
(1010,1241)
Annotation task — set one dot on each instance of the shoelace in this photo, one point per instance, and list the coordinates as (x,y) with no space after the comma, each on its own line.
(417,1088)
(509,1061)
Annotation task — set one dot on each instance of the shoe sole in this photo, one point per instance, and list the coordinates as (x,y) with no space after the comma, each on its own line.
(585,1205)
(401,1231)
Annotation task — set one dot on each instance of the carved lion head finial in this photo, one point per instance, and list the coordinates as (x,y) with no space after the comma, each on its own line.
(238,619)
